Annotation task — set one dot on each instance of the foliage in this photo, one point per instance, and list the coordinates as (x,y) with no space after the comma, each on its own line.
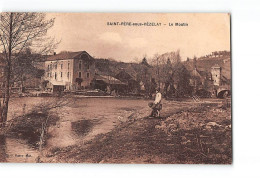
(18,32)
(181,78)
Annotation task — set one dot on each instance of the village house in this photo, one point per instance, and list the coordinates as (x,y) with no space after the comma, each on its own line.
(216,75)
(132,84)
(109,84)
(69,71)
(209,76)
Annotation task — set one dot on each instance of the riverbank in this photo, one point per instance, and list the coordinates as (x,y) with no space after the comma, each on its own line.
(85,93)
(117,130)
(79,119)
(197,134)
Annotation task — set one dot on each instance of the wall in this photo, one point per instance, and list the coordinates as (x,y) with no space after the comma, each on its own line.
(216,75)
(86,80)
(64,67)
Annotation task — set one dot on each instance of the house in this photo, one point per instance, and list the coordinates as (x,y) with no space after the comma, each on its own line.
(108,83)
(209,76)
(132,84)
(216,74)
(198,78)
(69,71)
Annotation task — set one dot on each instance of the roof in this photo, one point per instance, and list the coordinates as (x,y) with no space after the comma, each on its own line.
(109,79)
(66,55)
(125,76)
(196,72)
(205,65)
(111,68)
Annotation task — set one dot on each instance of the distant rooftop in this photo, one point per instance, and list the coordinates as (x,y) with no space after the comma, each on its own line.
(109,79)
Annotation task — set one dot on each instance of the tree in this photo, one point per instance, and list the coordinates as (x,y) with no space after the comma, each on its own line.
(144,62)
(23,68)
(181,78)
(144,75)
(168,81)
(163,67)
(157,61)
(19,31)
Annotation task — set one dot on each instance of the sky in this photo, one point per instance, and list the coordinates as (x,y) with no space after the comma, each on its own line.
(205,33)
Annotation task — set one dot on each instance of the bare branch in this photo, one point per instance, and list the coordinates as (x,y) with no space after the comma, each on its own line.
(19,31)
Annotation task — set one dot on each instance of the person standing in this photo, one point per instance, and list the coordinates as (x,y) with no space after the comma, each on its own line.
(156,104)
(158,97)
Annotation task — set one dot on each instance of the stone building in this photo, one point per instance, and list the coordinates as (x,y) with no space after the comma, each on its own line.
(210,76)
(216,75)
(69,71)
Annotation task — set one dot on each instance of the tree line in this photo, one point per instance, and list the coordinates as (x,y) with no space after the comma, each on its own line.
(166,73)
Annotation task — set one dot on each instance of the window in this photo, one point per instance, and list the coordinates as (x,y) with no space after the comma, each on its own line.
(51,66)
(55,65)
(80,64)
(68,75)
(79,74)
(48,67)
(61,74)
(87,75)
(68,65)
(61,66)
(55,76)
(87,66)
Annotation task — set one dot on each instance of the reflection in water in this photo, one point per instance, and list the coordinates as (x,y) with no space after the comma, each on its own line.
(16,151)
(84,119)
(88,117)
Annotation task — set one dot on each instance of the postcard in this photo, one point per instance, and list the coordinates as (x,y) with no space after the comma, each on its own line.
(132,88)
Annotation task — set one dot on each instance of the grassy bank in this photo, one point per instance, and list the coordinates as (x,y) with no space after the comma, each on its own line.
(201,134)
(33,125)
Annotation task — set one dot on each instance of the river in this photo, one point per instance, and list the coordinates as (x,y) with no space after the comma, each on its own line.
(80,120)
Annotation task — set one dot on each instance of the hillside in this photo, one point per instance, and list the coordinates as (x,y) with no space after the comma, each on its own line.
(112,68)
(109,67)
(205,64)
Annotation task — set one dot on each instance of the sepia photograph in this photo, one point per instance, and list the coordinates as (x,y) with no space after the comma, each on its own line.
(121,88)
